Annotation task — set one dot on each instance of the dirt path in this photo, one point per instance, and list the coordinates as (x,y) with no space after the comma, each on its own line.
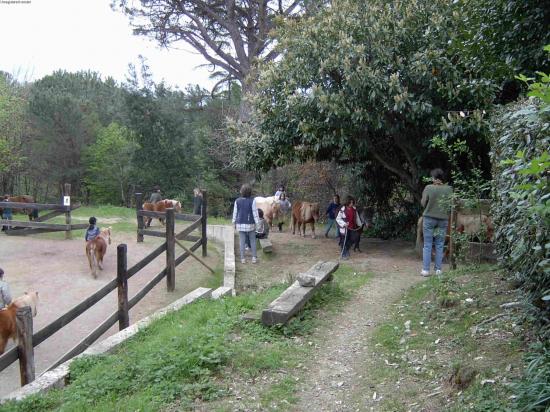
(59,271)
(339,379)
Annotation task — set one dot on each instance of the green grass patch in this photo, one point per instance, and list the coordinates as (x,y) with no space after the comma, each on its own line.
(435,342)
(195,354)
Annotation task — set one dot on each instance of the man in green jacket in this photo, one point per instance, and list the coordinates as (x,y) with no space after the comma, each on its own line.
(436,200)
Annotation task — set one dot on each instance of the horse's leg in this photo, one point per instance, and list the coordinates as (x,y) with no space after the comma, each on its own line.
(3,342)
(293,223)
(303,232)
(313,230)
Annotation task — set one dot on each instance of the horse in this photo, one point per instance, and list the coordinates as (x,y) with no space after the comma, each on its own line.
(302,213)
(8,328)
(271,208)
(480,226)
(96,249)
(31,213)
(160,206)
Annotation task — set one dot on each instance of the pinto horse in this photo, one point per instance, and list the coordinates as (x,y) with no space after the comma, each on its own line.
(302,213)
(96,249)
(161,206)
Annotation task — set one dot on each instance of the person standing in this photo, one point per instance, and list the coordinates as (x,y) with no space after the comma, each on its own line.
(331,213)
(279,191)
(197,201)
(285,209)
(436,199)
(349,223)
(155,196)
(5,293)
(6,213)
(245,219)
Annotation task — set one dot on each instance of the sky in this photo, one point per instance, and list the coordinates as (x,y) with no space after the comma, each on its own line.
(38,37)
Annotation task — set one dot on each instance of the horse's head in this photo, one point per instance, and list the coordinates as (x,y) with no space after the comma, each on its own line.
(275,210)
(106,234)
(29,299)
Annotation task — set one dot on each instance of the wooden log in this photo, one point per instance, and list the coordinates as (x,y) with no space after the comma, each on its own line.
(48,216)
(87,341)
(266,245)
(187,217)
(37,225)
(148,286)
(181,235)
(140,223)
(122,286)
(8,357)
(37,206)
(30,231)
(170,251)
(154,233)
(146,260)
(149,213)
(295,297)
(203,220)
(185,255)
(73,313)
(195,256)
(25,351)
(67,192)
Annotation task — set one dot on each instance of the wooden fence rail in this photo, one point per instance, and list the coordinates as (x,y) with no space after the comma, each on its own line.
(28,340)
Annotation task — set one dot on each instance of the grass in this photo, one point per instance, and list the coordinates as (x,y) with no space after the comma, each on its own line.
(202,355)
(433,345)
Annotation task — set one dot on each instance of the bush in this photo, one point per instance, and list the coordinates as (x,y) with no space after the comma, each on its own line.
(522,217)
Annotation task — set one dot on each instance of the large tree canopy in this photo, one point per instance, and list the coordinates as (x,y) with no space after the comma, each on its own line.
(371,82)
(231,35)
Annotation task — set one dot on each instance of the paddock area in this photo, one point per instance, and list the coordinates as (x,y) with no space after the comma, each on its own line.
(59,271)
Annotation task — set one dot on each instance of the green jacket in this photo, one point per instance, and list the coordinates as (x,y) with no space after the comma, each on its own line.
(436,200)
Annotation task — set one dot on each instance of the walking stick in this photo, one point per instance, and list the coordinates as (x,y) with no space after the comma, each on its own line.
(344,244)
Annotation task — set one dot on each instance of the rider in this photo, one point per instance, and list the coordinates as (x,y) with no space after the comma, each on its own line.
(349,223)
(5,293)
(155,196)
(93,231)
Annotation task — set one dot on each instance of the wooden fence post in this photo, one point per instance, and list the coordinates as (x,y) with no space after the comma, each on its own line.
(140,225)
(452,246)
(203,223)
(23,319)
(122,283)
(170,250)
(67,192)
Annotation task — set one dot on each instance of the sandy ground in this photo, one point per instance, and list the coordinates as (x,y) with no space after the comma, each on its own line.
(58,270)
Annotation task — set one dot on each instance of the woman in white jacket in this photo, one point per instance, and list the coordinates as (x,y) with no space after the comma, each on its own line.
(349,223)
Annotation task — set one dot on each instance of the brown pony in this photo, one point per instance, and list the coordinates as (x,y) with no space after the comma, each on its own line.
(161,206)
(8,328)
(302,213)
(31,213)
(96,249)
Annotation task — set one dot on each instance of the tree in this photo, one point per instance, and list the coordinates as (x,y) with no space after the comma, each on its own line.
(109,165)
(13,127)
(372,83)
(231,35)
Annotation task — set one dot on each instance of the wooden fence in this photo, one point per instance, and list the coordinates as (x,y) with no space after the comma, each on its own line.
(27,340)
(37,225)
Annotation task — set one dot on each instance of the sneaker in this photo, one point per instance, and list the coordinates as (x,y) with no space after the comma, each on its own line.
(243,261)
(425,273)
(254,260)
(438,272)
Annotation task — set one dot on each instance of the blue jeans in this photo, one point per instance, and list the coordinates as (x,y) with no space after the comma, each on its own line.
(428,227)
(251,237)
(330,223)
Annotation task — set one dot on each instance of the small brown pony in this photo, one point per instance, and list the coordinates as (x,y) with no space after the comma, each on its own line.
(96,249)
(160,206)
(302,213)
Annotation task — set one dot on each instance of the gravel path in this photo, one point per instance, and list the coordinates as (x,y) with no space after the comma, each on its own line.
(338,375)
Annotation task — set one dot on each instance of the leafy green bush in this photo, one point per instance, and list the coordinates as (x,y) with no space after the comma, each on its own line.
(522,217)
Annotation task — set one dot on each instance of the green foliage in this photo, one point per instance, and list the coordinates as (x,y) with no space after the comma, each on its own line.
(522,213)
(109,165)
